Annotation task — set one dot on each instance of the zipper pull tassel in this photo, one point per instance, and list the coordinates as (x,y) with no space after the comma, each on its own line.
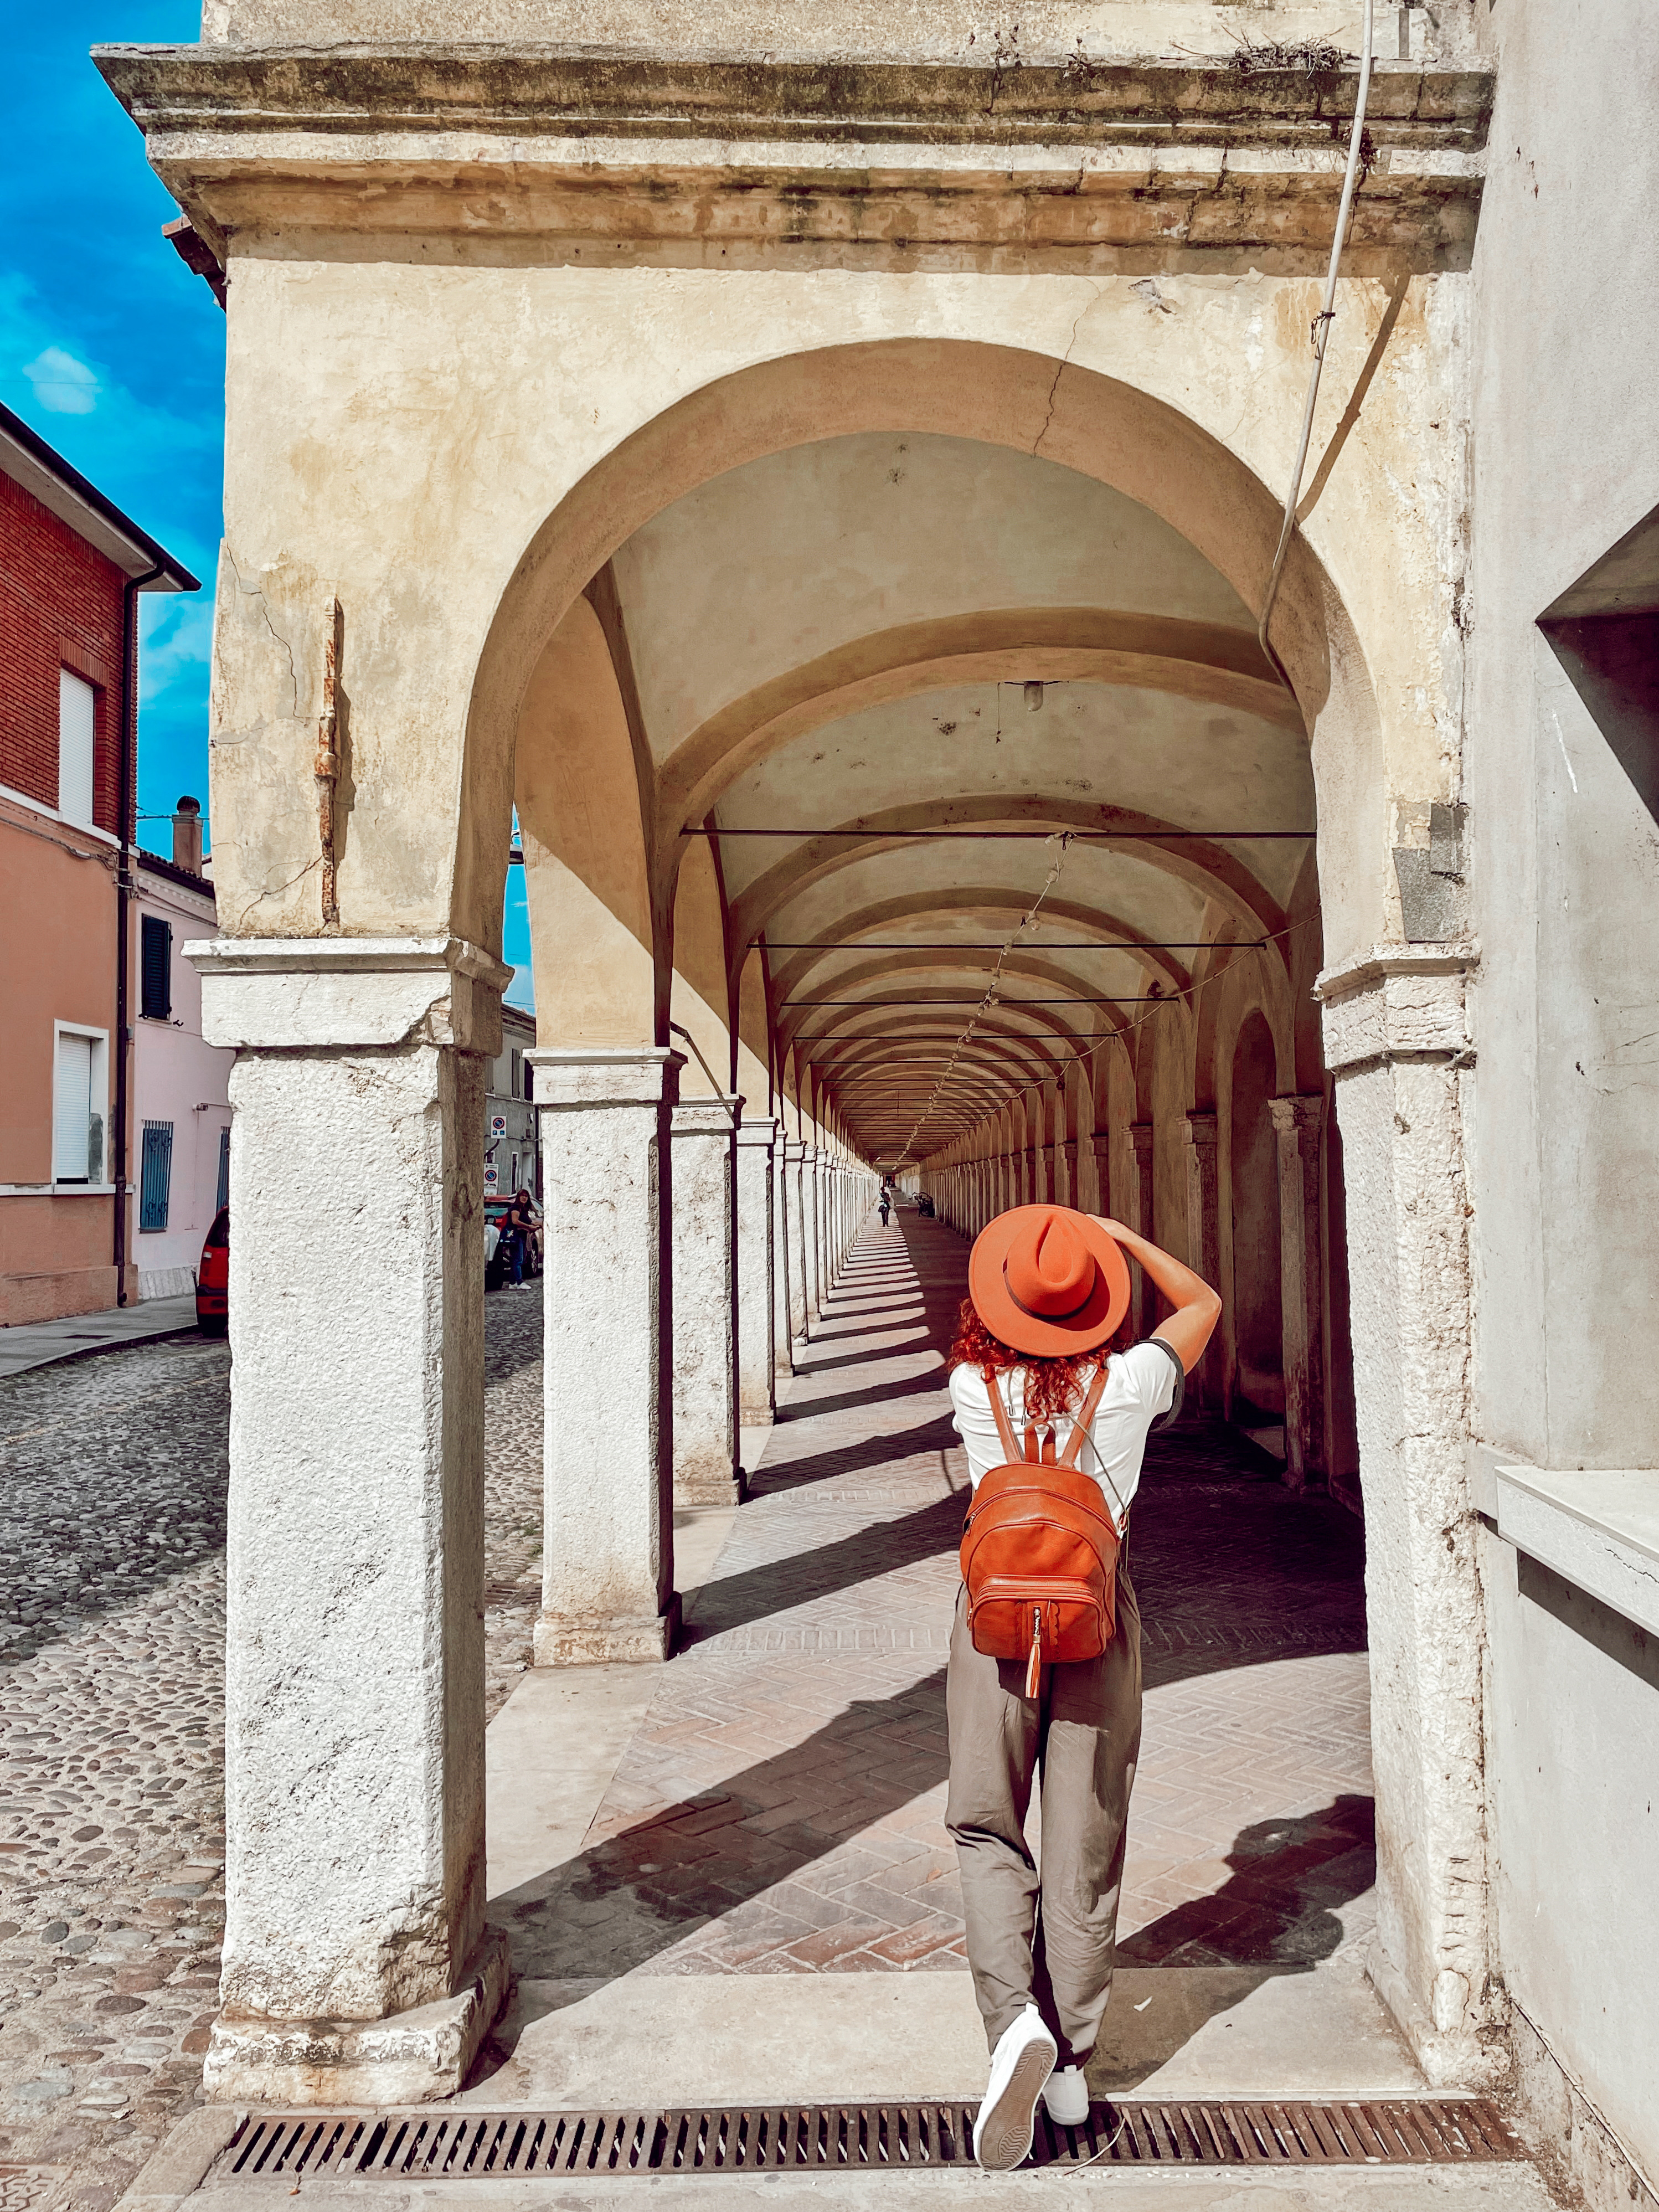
(1033,1665)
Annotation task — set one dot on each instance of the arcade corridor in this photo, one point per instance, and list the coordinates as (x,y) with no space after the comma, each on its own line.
(776,1810)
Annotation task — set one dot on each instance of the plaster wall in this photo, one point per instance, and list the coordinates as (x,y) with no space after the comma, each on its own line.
(1565,461)
(918,27)
(56,1245)
(177,1078)
(1576,1831)
(1565,849)
(538,374)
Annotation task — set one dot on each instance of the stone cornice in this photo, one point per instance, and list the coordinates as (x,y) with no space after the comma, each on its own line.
(1397,1003)
(483,141)
(325,993)
(543,91)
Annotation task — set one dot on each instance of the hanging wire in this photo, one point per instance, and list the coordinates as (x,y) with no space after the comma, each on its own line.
(1322,331)
(1063,840)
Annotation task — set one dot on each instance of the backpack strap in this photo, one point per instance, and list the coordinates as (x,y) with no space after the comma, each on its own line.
(1086,1413)
(1005,1427)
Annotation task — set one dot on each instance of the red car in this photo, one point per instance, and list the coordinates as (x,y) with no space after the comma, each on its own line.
(213,1277)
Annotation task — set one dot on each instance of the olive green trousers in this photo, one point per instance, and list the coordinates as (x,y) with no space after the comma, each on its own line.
(1047,1939)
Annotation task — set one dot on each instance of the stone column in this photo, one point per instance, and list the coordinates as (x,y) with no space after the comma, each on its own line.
(783,1360)
(1199,1133)
(794,1155)
(756,1349)
(607,1385)
(1396,1039)
(358,1968)
(1073,1193)
(1039,1175)
(705,1302)
(824,1269)
(1142,1219)
(1102,1144)
(1299,1123)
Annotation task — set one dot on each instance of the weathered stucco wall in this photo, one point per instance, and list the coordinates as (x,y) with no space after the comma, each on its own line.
(1566,460)
(536,374)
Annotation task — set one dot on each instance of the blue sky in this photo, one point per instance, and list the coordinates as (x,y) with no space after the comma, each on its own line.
(115,354)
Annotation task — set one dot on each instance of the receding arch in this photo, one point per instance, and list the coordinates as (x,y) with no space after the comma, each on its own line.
(1096,424)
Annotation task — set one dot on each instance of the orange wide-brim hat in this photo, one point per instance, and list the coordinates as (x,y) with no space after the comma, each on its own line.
(1048,1281)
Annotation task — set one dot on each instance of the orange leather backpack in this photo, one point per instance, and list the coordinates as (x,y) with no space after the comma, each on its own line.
(1039,1551)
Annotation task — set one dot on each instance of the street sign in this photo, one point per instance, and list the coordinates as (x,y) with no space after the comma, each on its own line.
(492,1176)
(498,1125)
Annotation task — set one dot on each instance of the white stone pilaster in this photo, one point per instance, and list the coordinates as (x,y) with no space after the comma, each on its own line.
(357,1966)
(813,1231)
(794,1156)
(782,1334)
(704,1302)
(756,1348)
(1200,1136)
(1298,1124)
(607,1537)
(1396,1039)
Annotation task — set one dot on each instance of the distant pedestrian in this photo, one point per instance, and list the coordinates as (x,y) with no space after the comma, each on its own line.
(1048,1288)
(519,1229)
(882,1205)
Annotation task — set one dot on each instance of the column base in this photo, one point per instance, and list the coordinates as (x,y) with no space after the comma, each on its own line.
(712,1487)
(560,1641)
(406,2059)
(757,1417)
(1450,2049)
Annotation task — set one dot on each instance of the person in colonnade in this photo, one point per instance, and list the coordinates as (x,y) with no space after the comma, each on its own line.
(1034,1355)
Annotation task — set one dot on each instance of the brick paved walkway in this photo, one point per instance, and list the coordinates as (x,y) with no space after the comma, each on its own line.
(780,1810)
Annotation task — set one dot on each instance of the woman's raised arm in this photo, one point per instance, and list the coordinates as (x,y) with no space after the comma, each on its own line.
(1197,1308)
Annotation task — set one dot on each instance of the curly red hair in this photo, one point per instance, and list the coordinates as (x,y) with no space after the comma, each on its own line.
(1053,1386)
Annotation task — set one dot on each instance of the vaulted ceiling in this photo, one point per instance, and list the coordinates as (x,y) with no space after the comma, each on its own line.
(885,670)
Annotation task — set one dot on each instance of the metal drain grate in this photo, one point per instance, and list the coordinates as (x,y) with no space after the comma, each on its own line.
(456,2146)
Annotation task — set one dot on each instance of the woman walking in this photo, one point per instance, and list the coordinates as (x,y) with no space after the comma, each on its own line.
(1049,1289)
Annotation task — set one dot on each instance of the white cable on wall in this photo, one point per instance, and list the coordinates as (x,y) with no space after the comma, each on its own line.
(1323,331)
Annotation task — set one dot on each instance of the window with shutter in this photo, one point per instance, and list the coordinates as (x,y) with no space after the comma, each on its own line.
(156,1176)
(77,1121)
(155,964)
(77,723)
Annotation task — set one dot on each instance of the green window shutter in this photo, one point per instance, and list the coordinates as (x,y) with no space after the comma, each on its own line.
(155,968)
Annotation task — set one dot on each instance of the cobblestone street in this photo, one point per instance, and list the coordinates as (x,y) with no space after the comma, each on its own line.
(112,1661)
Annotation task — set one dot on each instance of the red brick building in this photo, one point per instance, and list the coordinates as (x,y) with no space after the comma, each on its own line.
(71,566)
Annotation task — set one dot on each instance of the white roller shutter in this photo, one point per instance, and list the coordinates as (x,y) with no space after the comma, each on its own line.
(77,729)
(72,1109)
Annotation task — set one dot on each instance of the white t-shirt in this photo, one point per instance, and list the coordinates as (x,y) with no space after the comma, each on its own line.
(1140,1384)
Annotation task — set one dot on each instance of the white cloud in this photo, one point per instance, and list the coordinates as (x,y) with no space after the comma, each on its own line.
(176,640)
(521,991)
(62,386)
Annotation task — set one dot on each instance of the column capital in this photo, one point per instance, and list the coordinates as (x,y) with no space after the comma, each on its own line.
(757,1129)
(794,1150)
(310,993)
(1199,1130)
(1141,1136)
(573,1076)
(1396,1003)
(1101,1141)
(1298,1111)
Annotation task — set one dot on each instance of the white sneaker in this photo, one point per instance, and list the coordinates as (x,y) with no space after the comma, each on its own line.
(1066,2096)
(1021,2063)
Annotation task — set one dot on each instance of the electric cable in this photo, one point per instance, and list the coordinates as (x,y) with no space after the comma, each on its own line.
(1322,323)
